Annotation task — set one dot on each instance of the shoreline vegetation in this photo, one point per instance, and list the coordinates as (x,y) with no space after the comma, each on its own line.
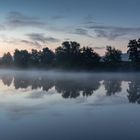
(70,56)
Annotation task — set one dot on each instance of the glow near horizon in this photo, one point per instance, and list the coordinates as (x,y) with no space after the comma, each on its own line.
(93,23)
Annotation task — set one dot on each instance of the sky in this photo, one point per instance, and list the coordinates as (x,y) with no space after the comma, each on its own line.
(34,24)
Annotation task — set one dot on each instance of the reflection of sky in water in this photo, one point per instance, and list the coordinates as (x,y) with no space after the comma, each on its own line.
(30,97)
(69,107)
(101,92)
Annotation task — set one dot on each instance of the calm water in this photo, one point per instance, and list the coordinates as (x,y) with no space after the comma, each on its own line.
(67,106)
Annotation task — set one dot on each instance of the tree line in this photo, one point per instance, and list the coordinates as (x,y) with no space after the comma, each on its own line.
(70,55)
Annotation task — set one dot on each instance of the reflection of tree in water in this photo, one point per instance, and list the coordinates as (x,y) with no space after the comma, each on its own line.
(73,88)
(69,88)
(21,82)
(112,86)
(134,91)
(35,82)
(90,87)
(7,80)
(42,82)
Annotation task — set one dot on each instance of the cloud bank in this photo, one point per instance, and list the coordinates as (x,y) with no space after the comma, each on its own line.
(113,32)
(42,38)
(17,19)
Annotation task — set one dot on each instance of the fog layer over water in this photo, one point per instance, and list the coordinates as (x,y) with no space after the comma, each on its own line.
(65,106)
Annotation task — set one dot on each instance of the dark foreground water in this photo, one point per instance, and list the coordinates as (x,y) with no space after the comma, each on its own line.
(67,106)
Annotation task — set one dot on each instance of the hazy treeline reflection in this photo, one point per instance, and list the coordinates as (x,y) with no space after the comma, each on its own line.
(134,91)
(73,88)
(112,86)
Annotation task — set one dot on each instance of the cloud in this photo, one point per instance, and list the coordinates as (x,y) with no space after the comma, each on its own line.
(34,40)
(81,31)
(67,39)
(42,38)
(17,19)
(99,48)
(37,37)
(89,20)
(52,39)
(113,32)
(28,43)
(57,17)
(2,27)
(31,43)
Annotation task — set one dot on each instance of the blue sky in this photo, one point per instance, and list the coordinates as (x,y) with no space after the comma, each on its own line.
(27,24)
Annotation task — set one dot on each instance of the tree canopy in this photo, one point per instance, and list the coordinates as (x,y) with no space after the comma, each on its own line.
(70,55)
(134,50)
(112,55)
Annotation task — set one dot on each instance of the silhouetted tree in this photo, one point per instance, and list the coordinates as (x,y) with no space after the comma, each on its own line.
(7,59)
(21,58)
(35,57)
(89,57)
(47,57)
(112,55)
(68,54)
(134,50)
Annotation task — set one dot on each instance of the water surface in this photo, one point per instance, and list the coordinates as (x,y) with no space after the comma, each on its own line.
(69,106)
